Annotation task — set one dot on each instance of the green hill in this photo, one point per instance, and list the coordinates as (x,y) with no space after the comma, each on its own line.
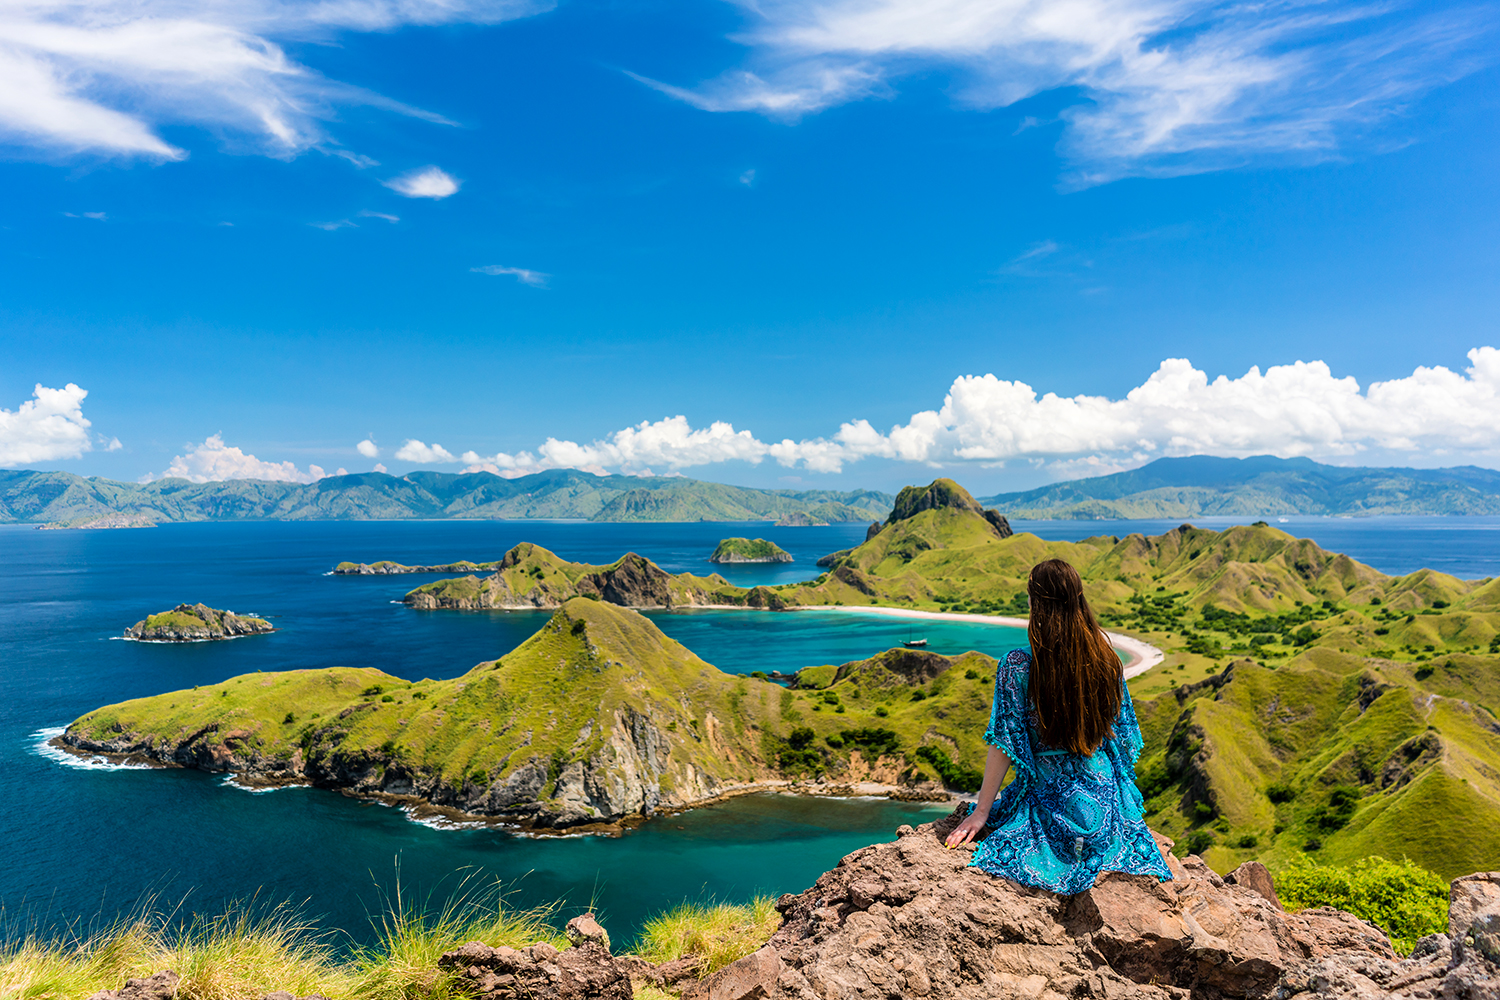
(597,717)
(1264,486)
(749,550)
(61,497)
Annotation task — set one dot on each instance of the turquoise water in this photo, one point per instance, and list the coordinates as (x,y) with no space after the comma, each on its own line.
(81,844)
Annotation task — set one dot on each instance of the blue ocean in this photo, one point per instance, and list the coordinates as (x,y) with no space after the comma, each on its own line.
(86,843)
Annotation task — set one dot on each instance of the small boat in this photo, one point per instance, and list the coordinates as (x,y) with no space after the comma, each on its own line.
(913,643)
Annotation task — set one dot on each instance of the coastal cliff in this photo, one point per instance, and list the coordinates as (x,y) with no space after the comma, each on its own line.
(194,623)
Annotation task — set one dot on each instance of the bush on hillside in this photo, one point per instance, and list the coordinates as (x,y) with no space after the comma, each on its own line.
(954,775)
(1405,901)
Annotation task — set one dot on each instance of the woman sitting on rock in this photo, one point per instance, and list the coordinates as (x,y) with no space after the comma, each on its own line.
(1062,718)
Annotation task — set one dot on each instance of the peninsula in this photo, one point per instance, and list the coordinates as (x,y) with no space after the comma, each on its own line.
(196,623)
(749,550)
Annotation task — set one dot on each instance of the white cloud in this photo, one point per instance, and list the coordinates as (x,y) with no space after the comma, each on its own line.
(1162,86)
(213,461)
(1300,409)
(748,177)
(102,76)
(331,226)
(536,279)
(96,216)
(379,467)
(428,182)
(416,451)
(49,427)
(368,448)
(113,445)
(367,214)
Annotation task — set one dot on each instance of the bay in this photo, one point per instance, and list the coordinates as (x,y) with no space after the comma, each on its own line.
(85,844)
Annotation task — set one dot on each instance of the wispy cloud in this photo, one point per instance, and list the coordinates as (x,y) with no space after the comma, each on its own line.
(46,428)
(1164,86)
(536,279)
(101,77)
(1299,409)
(428,182)
(331,226)
(367,214)
(96,216)
(214,461)
(748,177)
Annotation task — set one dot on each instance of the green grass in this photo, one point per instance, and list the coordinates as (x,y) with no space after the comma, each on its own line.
(720,932)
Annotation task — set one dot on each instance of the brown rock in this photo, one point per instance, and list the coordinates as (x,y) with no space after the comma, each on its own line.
(162,986)
(675,973)
(585,928)
(754,977)
(540,972)
(1254,876)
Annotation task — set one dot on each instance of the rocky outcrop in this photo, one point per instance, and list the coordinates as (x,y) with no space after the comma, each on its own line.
(939,494)
(530,578)
(586,971)
(911,919)
(194,622)
(388,568)
(833,557)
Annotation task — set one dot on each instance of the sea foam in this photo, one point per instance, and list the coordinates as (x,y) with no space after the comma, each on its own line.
(41,745)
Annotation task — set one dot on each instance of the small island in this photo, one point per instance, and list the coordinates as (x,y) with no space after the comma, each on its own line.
(800,519)
(194,623)
(749,550)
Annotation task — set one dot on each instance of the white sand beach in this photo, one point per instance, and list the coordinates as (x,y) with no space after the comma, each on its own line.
(1142,656)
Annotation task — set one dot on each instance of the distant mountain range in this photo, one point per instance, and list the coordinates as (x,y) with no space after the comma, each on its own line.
(67,499)
(1264,485)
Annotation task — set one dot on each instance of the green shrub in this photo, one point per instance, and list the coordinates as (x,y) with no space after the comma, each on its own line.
(1247,841)
(872,742)
(291,717)
(1199,841)
(964,779)
(881,711)
(1343,800)
(918,695)
(1405,901)
(372,691)
(1280,792)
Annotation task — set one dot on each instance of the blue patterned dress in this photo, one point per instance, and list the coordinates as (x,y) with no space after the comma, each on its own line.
(1065,817)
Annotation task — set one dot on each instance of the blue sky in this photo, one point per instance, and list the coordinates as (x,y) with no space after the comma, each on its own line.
(260,234)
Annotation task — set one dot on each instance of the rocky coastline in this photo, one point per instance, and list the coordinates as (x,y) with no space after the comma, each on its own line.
(576,810)
(196,623)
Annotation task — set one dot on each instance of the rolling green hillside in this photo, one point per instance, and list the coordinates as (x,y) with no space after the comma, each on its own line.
(1262,486)
(60,497)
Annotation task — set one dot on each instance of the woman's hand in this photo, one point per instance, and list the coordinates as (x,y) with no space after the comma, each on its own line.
(966,831)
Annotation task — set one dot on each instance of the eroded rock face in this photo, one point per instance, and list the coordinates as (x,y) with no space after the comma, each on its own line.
(586,971)
(911,919)
(162,986)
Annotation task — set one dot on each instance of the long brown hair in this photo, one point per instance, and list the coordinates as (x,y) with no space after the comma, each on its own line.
(1076,677)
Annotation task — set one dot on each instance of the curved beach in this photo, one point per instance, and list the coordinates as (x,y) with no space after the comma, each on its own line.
(1142,656)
